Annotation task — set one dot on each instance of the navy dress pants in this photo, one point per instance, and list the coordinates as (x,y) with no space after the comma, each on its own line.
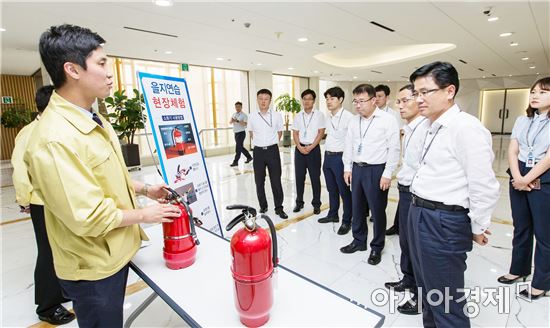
(366,192)
(438,243)
(531,216)
(333,170)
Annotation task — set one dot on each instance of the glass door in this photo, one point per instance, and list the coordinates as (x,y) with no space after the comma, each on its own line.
(492,110)
(501,108)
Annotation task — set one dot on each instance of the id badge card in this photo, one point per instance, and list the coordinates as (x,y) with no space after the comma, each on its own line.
(360,149)
(530,160)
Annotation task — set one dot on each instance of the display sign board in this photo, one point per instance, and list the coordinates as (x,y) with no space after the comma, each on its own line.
(181,157)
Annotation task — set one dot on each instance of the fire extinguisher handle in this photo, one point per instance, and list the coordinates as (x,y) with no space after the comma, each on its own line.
(273,238)
(237,219)
(246,209)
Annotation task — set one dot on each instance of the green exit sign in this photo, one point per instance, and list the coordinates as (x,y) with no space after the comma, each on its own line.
(185,67)
(7,100)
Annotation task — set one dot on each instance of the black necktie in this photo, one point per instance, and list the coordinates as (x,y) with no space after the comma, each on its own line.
(96,119)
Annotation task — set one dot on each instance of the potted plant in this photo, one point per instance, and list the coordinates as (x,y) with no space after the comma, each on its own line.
(286,103)
(16,116)
(127,117)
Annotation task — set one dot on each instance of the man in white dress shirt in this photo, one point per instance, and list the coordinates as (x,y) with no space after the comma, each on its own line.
(415,132)
(266,127)
(308,129)
(337,123)
(454,194)
(371,155)
(239,119)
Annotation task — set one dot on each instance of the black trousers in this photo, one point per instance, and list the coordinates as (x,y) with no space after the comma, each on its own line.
(98,303)
(268,157)
(366,193)
(312,163)
(333,170)
(47,292)
(438,242)
(530,213)
(239,146)
(405,199)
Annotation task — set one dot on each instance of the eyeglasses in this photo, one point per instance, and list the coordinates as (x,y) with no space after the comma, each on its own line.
(403,100)
(361,102)
(424,93)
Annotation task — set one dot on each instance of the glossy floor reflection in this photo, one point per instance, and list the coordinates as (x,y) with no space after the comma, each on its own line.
(305,246)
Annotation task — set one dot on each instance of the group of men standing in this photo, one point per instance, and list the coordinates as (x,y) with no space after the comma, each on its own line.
(447,188)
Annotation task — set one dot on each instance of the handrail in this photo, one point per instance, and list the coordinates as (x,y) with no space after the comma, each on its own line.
(214,129)
(139,134)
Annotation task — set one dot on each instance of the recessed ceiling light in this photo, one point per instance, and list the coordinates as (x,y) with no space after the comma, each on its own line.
(163,3)
(492,19)
(503,35)
(510,75)
(538,73)
(514,44)
(303,39)
(2,29)
(316,71)
(525,58)
(290,68)
(355,77)
(259,64)
(532,67)
(219,58)
(483,76)
(168,52)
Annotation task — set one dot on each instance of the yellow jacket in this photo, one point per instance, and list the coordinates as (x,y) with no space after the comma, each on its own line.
(21,182)
(77,169)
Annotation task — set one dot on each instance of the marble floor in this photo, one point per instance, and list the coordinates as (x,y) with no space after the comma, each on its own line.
(305,246)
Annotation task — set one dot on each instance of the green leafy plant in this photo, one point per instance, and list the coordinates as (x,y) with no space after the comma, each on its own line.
(127,116)
(286,103)
(16,116)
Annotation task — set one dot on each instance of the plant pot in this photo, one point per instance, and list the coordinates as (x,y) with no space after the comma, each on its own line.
(130,152)
(286,139)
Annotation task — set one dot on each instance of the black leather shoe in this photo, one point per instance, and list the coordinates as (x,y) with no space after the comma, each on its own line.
(410,307)
(328,219)
(281,214)
(374,258)
(234,164)
(60,316)
(526,294)
(508,281)
(316,210)
(393,230)
(263,209)
(397,286)
(298,208)
(248,160)
(344,229)
(352,248)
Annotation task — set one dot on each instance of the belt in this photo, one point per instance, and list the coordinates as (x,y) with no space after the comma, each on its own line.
(266,147)
(403,188)
(330,153)
(364,164)
(421,202)
(304,145)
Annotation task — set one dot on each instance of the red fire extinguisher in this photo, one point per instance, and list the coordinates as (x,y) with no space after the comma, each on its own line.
(254,257)
(180,238)
(177,135)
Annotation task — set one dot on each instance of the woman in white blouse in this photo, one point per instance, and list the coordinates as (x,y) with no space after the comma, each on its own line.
(529,160)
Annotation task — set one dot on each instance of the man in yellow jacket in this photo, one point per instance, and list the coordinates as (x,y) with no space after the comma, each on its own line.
(77,169)
(47,292)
